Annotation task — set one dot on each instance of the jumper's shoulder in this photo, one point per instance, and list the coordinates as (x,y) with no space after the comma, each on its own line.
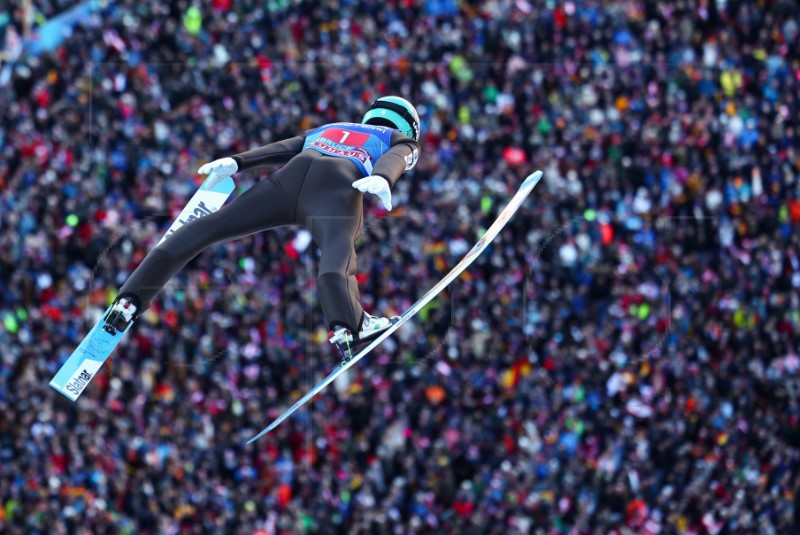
(399,138)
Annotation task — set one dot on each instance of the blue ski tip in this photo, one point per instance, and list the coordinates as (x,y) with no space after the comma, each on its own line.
(261,434)
(532,179)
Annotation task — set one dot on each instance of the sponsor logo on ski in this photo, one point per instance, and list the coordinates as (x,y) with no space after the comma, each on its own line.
(77,384)
(201,211)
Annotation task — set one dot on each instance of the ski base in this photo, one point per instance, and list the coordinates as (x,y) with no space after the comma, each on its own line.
(84,363)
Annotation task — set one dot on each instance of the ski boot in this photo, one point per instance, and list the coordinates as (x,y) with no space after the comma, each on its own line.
(371,327)
(121,315)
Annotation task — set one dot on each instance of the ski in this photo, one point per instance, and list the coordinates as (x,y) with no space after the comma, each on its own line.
(82,365)
(212,194)
(490,234)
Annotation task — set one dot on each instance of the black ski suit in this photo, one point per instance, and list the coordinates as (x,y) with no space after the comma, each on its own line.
(313,190)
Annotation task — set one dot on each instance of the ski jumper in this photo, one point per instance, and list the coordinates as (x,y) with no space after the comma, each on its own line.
(313,190)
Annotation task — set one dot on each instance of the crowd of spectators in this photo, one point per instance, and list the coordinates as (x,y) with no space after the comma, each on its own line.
(623,359)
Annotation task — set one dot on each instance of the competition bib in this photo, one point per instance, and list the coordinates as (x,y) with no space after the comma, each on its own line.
(362,144)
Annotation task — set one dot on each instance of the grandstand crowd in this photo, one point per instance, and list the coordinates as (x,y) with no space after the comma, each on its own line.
(623,359)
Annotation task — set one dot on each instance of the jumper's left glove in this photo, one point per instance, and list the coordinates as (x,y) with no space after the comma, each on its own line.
(377,185)
(223,167)
(218,170)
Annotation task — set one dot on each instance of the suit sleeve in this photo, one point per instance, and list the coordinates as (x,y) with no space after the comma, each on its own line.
(401,157)
(274,153)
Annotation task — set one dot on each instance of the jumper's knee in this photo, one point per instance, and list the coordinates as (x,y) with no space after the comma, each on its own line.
(179,248)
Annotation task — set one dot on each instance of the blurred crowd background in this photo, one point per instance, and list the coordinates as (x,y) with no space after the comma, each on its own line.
(623,359)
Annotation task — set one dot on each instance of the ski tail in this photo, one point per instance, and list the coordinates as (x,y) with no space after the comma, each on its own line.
(491,233)
(83,364)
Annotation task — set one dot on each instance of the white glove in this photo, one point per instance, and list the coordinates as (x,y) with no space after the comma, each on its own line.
(223,167)
(377,185)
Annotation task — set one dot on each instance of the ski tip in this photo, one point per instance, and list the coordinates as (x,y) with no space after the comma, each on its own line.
(532,179)
(261,434)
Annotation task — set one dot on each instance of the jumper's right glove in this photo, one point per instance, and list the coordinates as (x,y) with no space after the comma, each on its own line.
(377,185)
(223,167)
